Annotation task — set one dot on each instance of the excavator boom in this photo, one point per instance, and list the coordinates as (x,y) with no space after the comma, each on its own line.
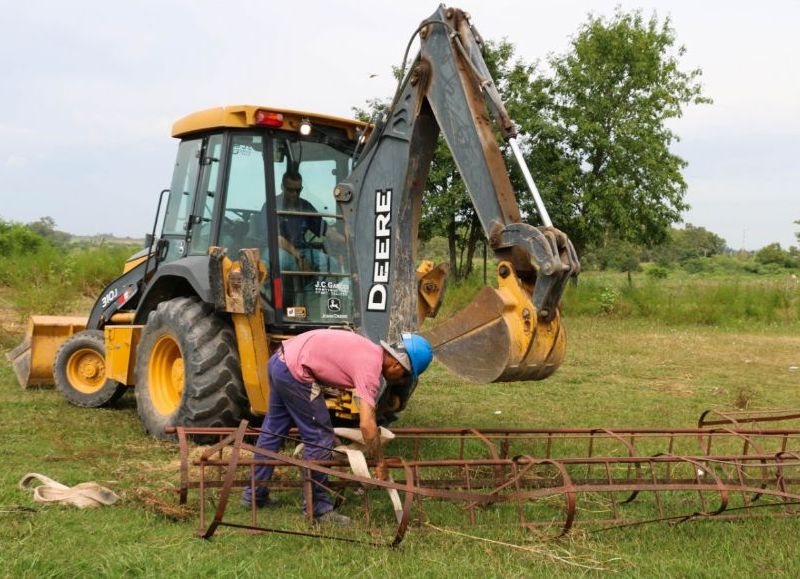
(512,333)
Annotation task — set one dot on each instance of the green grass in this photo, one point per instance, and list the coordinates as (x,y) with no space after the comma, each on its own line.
(618,372)
(660,355)
(723,300)
(735,301)
(52,279)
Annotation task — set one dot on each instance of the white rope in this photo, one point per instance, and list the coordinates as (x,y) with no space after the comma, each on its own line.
(83,495)
(358,462)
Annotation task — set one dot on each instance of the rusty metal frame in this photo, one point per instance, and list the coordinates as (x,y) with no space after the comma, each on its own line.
(527,468)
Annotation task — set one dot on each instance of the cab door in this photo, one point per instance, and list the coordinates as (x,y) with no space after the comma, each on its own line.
(188,221)
(201,221)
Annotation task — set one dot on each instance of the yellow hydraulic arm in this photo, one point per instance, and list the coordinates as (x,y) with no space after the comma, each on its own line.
(235,287)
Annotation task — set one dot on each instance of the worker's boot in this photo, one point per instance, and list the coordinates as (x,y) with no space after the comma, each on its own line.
(333,518)
(261,502)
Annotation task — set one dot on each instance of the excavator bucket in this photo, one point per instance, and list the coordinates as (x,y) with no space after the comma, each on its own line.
(500,337)
(33,358)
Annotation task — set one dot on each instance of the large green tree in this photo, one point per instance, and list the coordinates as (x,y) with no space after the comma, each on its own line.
(595,130)
(602,143)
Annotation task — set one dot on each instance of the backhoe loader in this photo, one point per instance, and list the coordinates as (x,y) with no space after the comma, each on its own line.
(280,221)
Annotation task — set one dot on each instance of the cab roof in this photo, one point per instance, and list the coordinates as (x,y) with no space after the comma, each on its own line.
(244,116)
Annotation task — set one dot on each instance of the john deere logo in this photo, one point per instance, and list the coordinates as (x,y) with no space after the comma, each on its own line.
(334,305)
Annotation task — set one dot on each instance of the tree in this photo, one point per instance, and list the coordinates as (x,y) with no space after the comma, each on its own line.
(688,243)
(774,253)
(797,233)
(620,255)
(601,145)
(46,228)
(593,132)
(17,239)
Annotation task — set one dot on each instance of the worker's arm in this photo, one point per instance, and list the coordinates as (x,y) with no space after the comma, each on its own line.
(287,246)
(372,436)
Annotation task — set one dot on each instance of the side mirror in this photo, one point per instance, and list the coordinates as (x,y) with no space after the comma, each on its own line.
(148,240)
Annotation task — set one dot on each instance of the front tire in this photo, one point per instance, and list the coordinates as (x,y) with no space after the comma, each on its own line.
(79,371)
(187,369)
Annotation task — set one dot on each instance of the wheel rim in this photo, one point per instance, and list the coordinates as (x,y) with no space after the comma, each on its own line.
(86,371)
(165,375)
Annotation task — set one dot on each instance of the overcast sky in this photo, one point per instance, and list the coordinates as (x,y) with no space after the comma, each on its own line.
(90,91)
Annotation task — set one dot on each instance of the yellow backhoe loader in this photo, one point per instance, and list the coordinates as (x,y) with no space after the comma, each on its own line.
(279,221)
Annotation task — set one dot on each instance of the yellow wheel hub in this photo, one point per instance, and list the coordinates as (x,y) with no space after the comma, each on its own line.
(86,371)
(166,376)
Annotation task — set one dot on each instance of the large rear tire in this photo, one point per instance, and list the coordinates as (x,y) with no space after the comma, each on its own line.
(79,371)
(187,369)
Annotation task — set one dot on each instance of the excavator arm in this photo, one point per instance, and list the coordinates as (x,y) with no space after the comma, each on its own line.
(510,333)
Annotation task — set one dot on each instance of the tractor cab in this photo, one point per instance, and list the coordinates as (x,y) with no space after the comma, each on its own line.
(249,177)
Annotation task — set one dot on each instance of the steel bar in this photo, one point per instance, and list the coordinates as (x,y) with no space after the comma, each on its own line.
(537,198)
(736,418)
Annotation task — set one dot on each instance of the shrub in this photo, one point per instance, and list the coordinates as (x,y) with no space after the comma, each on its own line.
(51,281)
(696,265)
(772,268)
(658,272)
(608,300)
(773,254)
(752,267)
(726,302)
(16,239)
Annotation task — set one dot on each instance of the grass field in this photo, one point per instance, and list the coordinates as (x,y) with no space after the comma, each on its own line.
(621,370)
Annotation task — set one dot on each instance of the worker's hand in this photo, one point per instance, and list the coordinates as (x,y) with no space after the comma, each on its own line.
(381,471)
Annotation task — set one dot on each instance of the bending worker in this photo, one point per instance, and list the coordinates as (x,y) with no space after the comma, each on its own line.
(337,359)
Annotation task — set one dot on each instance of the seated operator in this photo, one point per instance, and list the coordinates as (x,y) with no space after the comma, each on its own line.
(296,253)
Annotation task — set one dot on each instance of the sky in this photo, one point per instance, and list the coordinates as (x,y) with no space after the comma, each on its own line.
(90,90)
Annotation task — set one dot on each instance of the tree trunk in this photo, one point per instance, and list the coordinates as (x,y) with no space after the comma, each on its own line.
(475,231)
(451,246)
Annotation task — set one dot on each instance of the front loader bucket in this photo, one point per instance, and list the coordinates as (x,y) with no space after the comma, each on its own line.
(33,358)
(499,338)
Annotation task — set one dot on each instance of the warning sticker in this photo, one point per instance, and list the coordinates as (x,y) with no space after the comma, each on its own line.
(298,312)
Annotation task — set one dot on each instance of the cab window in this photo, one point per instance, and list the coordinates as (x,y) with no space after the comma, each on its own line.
(206,197)
(182,189)
(312,253)
(244,217)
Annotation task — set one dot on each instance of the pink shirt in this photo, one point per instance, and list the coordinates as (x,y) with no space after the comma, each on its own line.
(336,358)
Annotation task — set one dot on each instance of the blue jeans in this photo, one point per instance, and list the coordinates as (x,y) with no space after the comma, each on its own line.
(316,259)
(290,403)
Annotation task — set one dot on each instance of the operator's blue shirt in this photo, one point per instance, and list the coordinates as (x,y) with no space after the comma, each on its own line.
(293,227)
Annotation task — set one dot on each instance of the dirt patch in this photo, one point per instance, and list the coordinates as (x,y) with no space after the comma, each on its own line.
(155,502)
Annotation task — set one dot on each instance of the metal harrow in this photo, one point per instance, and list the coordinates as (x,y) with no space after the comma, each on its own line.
(551,479)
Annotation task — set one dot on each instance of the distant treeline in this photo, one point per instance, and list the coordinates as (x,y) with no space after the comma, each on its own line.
(20,238)
(690,249)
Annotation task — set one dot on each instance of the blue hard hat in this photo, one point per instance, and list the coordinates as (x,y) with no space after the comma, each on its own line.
(419,353)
